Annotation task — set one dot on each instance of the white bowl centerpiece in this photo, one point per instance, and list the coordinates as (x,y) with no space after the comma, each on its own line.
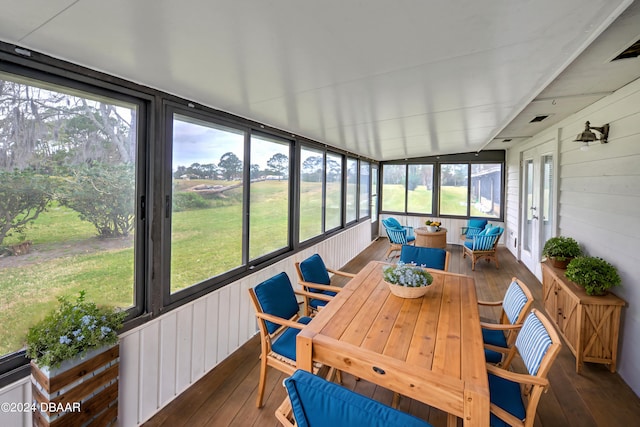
(407,280)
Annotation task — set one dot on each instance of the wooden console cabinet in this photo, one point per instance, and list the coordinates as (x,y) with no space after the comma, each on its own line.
(590,325)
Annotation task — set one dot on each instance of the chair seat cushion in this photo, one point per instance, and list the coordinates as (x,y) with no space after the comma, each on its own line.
(493,337)
(468,244)
(507,395)
(411,238)
(285,344)
(492,356)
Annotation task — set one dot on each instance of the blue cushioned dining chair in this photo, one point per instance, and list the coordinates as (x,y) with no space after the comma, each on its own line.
(514,306)
(483,245)
(398,235)
(425,257)
(313,276)
(537,344)
(315,402)
(279,323)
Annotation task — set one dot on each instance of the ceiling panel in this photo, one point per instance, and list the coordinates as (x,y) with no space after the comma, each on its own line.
(380,79)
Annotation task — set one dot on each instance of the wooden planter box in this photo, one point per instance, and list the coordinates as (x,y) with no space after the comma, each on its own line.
(80,393)
(589,324)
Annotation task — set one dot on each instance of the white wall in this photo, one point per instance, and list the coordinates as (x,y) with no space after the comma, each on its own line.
(599,201)
(163,357)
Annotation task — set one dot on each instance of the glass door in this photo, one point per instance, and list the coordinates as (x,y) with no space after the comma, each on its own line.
(374,202)
(537,215)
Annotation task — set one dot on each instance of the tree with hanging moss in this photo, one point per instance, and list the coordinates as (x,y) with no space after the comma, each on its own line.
(102,194)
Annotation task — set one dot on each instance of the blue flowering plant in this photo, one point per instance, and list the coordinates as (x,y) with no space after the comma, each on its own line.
(71,330)
(409,275)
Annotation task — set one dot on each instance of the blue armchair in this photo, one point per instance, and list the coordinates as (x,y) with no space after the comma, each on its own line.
(499,336)
(313,276)
(313,401)
(277,314)
(538,344)
(483,245)
(398,235)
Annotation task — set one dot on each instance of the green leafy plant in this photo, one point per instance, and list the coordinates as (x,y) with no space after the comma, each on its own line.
(561,248)
(595,274)
(409,275)
(71,330)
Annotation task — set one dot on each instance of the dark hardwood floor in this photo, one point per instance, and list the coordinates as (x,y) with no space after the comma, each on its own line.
(226,395)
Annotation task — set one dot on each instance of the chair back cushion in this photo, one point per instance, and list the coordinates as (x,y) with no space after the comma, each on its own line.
(276,297)
(477,223)
(313,270)
(513,302)
(319,403)
(392,222)
(532,342)
(493,231)
(426,257)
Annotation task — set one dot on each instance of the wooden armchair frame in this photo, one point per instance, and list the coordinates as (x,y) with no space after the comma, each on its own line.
(267,356)
(504,323)
(308,286)
(531,386)
(477,254)
(398,237)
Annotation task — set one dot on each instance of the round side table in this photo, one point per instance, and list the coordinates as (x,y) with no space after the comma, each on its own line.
(436,239)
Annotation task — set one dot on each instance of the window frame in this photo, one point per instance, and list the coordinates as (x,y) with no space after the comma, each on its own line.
(15,365)
(485,157)
(152,293)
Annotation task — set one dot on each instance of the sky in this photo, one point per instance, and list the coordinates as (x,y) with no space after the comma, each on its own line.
(199,142)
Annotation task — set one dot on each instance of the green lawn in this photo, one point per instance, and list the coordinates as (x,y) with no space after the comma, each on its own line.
(204,243)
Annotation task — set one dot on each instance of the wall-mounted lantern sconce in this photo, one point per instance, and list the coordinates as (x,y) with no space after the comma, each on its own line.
(588,136)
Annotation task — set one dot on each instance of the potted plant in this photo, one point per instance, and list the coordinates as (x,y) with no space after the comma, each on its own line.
(407,280)
(560,250)
(432,226)
(74,352)
(593,273)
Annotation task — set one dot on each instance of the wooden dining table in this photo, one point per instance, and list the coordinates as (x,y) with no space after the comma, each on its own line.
(429,349)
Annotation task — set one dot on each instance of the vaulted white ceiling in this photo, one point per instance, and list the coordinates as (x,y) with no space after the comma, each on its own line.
(379,78)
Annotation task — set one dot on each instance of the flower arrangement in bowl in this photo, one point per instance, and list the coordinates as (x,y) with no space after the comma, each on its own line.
(433,226)
(407,280)
(560,250)
(594,274)
(72,330)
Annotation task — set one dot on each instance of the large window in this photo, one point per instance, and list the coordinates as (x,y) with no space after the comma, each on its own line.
(207,200)
(486,189)
(454,187)
(333,204)
(394,178)
(420,189)
(352,190)
(270,189)
(68,221)
(466,188)
(311,177)
(365,189)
